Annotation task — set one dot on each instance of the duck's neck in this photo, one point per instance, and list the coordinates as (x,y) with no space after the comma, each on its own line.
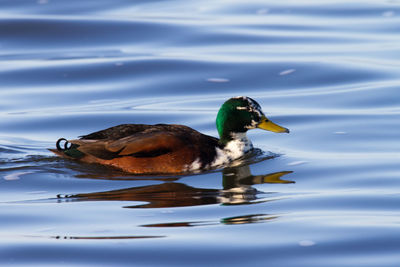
(238,144)
(236,147)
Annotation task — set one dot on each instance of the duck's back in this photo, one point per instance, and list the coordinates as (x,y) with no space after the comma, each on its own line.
(124,130)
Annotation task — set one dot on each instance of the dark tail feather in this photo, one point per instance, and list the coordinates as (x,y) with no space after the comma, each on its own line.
(59,148)
(69,149)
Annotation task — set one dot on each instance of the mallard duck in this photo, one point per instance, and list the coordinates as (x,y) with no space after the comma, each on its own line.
(169,148)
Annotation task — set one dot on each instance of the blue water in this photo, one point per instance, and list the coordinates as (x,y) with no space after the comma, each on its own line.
(329,71)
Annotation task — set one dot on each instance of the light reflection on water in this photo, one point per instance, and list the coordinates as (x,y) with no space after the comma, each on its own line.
(327,71)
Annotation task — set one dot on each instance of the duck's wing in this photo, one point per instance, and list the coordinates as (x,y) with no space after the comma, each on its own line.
(138,145)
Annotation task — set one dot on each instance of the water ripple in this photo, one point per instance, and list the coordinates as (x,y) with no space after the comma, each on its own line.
(327,71)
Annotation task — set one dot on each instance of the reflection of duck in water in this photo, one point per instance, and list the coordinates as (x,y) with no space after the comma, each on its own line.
(172,149)
(237,184)
(237,189)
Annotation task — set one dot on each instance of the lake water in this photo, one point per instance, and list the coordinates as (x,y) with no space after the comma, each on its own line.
(327,70)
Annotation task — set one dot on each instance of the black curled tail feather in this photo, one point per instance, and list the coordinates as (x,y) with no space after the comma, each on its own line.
(59,148)
(69,148)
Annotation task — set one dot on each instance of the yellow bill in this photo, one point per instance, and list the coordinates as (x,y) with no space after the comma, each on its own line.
(268,125)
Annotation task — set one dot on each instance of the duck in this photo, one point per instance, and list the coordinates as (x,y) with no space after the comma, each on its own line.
(171,149)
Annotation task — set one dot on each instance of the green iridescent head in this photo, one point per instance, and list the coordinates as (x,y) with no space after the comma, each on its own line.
(239,114)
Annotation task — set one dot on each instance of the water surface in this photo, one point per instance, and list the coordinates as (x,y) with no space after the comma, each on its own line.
(328,71)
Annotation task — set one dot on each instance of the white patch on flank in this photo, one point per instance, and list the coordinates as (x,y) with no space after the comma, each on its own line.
(234,149)
(196,165)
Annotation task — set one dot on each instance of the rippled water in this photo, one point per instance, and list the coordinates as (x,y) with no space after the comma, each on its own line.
(329,71)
